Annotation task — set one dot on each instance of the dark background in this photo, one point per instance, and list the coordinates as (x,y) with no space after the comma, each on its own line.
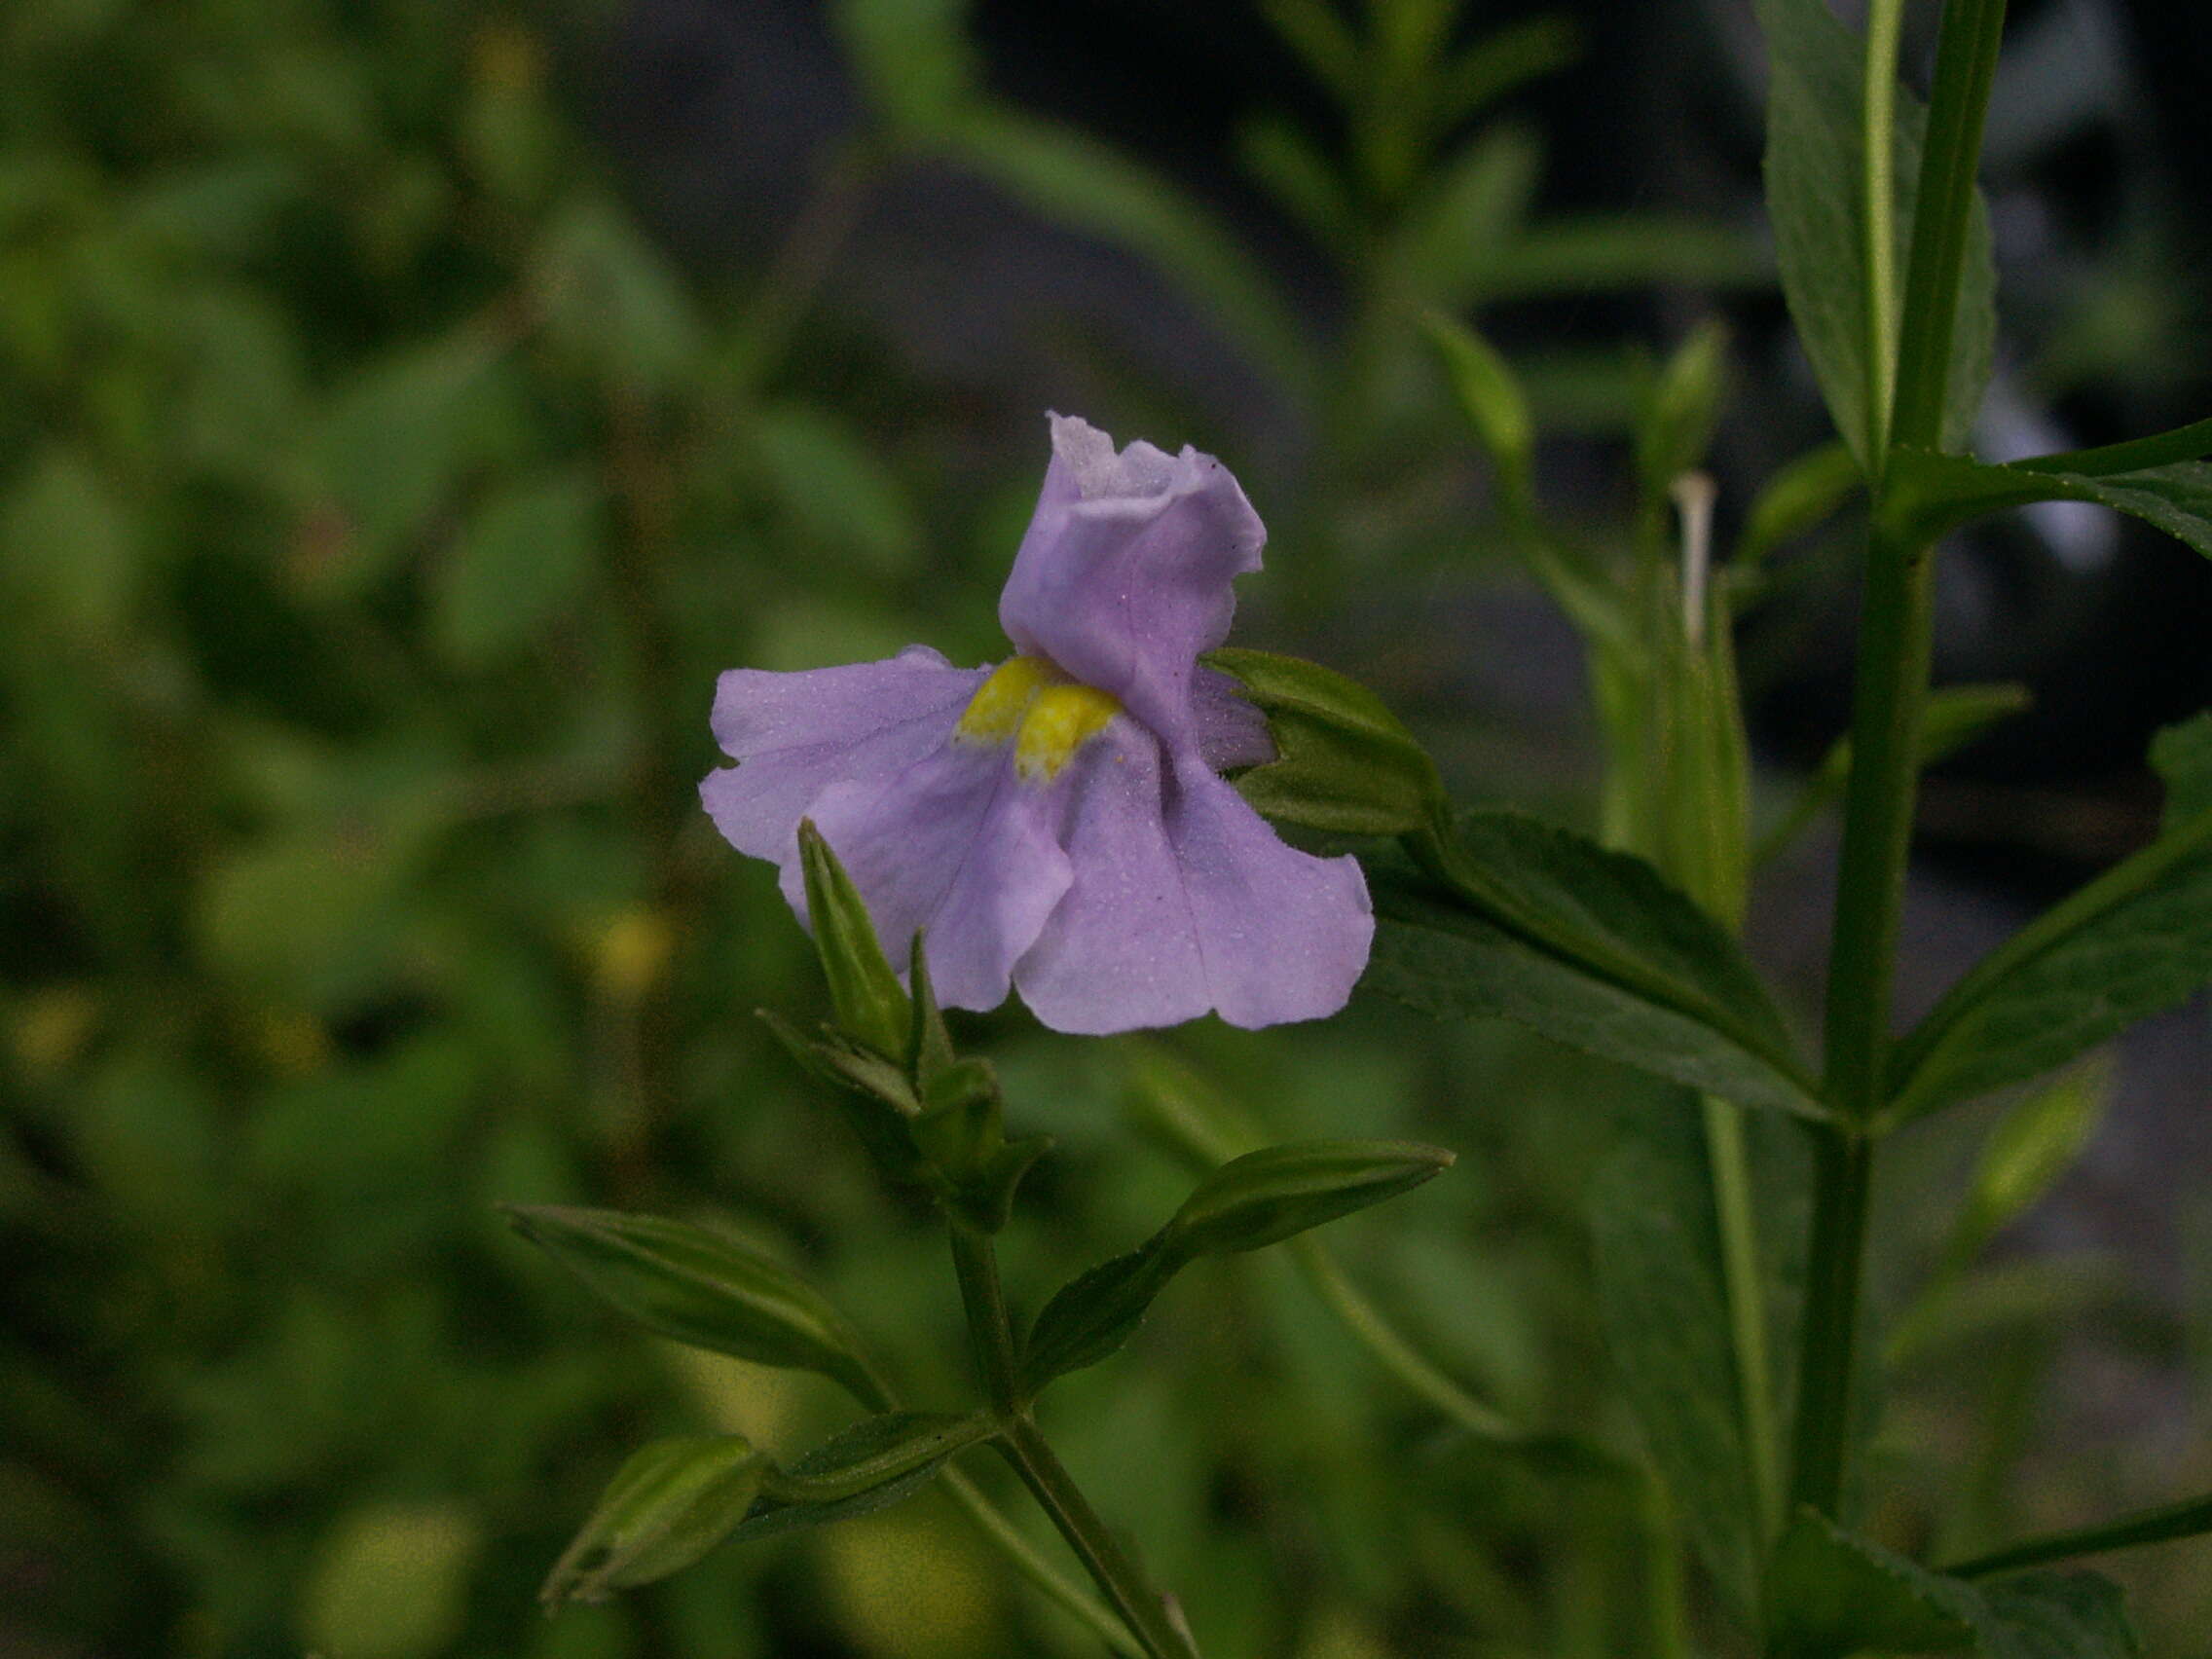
(405,412)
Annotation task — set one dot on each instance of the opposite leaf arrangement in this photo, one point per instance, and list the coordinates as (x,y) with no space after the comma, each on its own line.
(1060,826)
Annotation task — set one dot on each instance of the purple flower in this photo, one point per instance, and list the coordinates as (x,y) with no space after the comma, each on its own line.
(1059,823)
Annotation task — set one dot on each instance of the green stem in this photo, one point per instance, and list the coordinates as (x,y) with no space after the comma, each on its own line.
(1030,1562)
(1966,67)
(1747,1304)
(991,1333)
(1842,1169)
(1878,114)
(1374,1332)
(873,1391)
(1892,686)
(1058,1495)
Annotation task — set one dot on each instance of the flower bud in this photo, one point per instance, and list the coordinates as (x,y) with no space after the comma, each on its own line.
(1343,764)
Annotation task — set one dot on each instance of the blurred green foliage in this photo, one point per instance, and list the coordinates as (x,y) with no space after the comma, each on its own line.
(377,504)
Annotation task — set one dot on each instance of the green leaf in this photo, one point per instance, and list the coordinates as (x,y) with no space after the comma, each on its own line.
(2182,755)
(1675,423)
(1095,1312)
(1931,494)
(1248,1203)
(912,57)
(1343,764)
(1614,252)
(392,1581)
(1662,1303)
(870,1466)
(1828,1593)
(520,562)
(1832,1594)
(1079,182)
(1268,1196)
(1953,717)
(672,1502)
(824,475)
(1521,921)
(1795,500)
(1466,218)
(615,306)
(701,1289)
(2056,1615)
(1490,397)
(876,1096)
(2036,1143)
(2190,1517)
(1815,153)
(70,549)
(391,444)
(870,1007)
(2136,939)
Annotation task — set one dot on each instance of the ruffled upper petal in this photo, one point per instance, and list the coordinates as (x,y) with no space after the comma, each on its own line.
(1124,575)
(797,734)
(957,844)
(1183,900)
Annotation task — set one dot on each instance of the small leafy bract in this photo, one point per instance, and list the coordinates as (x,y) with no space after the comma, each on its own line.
(699,1288)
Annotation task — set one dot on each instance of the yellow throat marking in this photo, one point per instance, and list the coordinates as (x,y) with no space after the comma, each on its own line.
(1047,715)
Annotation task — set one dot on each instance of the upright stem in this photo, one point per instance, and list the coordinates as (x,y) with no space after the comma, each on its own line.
(1056,1492)
(991,1333)
(1894,643)
(1878,119)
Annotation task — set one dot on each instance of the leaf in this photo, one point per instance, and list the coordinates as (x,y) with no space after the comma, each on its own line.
(1833,1595)
(520,562)
(2190,1517)
(392,1581)
(1931,494)
(668,1505)
(1268,1196)
(822,472)
(1079,182)
(2136,939)
(1248,1203)
(2056,1615)
(2035,1143)
(72,548)
(1662,1303)
(1828,1593)
(700,1289)
(1675,425)
(871,1008)
(1814,164)
(1521,921)
(1344,762)
(391,444)
(1831,1592)
(615,306)
(912,57)
(2182,755)
(1611,252)
(1795,500)
(1095,1312)
(1468,217)
(870,1466)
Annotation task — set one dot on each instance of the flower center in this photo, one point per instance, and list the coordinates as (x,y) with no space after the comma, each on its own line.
(1047,715)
